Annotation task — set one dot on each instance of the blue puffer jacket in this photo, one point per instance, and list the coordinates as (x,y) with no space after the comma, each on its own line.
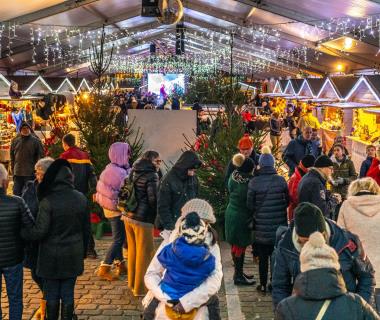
(267,199)
(357,270)
(366,164)
(297,149)
(187,266)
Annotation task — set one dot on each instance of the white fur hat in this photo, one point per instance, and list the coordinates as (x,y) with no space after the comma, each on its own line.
(201,207)
(316,254)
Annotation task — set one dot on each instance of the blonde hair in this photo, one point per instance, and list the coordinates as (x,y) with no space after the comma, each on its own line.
(364,184)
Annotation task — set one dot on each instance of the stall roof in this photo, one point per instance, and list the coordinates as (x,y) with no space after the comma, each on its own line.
(374,81)
(293,97)
(343,85)
(283,84)
(275,95)
(296,84)
(320,100)
(316,84)
(54,82)
(373,111)
(23,98)
(349,105)
(24,82)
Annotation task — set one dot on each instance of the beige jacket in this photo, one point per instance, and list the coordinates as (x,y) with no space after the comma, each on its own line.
(361,216)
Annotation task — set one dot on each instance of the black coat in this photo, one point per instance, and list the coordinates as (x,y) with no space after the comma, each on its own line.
(356,268)
(312,288)
(62,225)
(25,152)
(176,188)
(267,199)
(146,184)
(312,188)
(14,215)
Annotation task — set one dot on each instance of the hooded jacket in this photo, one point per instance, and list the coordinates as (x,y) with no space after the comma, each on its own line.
(84,174)
(112,178)
(343,169)
(313,288)
(62,225)
(146,179)
(267,199)
(187,266)
(297,149)
(374,171)
(357,270)
(360,215)
(176,188)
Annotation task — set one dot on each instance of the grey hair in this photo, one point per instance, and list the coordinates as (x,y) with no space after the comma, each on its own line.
(364,184)
(3,174)
(44,163)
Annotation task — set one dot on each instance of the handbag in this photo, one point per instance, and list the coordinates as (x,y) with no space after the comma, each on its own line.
(323,310)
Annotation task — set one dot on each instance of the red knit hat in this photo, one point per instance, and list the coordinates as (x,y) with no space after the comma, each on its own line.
(245,142)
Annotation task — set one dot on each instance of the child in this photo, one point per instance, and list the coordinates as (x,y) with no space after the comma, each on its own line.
(366,164)
(188,263)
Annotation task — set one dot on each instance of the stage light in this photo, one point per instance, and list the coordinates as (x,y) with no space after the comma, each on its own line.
(348,43)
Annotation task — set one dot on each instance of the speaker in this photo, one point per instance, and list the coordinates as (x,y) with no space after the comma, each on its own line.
(150,8)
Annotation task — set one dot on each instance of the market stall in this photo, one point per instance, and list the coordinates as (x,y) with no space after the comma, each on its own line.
(277,87)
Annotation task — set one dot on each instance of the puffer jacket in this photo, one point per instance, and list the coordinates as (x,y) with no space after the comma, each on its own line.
(313,288)
(356,268)
(176,188)
(267,199)
(62,225)
(112,178)
(366,164)
(14,215)
(374,171)
(343,169)
(146,184)
(293,183)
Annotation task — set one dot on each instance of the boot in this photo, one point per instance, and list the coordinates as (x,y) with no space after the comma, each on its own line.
(239,278)
(377,300)
(249,277)
(52,310)
(40,313)
(121,268)
(67,311)
(105,272)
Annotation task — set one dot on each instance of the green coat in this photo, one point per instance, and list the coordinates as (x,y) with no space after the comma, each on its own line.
(345,170)
(237,214)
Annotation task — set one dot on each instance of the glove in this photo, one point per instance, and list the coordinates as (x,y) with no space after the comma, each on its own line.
(339,180)
(334,182)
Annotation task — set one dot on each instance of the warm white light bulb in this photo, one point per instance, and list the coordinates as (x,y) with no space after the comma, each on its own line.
(348,43)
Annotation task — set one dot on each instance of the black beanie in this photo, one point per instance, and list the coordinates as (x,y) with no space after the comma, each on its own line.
(323,162)
(308,161)
(308,218)
(247,166)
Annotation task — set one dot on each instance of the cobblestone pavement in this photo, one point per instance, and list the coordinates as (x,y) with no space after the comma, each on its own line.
(101,300)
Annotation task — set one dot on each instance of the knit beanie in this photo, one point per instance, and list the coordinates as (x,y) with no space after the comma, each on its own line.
(245,142)
(243,164)
(308,161)
(316,254)
(266,159)
(323,161)
(308,218)
(201,207)
(193,229)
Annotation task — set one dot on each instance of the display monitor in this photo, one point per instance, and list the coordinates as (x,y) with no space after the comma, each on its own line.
(166,83)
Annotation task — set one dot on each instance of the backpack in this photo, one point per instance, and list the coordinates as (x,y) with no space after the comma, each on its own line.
(127,201)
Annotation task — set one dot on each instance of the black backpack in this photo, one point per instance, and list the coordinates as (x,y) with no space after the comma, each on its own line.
(127,201)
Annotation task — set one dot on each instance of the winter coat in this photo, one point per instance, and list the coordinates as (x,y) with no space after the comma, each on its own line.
(112,178)
(291,122)
(267,199)
(187,266)
(313,288)
(237,215)
(146,184)
(14,215)
(176,188)
(346,170)
(230,168)
(198,297)
(312,188)
(25,152)
(357,270)
(366,164)
(62,225)
(84,174)
(360,215)
(275,127)
(293,183)
(29,194)
(297,149)
(374,171)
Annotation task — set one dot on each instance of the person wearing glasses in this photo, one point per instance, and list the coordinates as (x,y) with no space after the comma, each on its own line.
(139,223)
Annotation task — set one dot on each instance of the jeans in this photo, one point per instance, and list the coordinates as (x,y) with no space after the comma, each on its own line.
(265,253)
(115,251)
(19,183)
(61,289)
(14,282)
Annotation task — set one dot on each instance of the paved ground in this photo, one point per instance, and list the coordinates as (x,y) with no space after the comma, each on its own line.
(101,300)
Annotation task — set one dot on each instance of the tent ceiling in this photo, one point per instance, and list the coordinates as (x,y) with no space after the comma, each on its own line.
(291,20)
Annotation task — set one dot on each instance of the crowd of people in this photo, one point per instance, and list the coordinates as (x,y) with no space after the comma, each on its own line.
(313,236)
